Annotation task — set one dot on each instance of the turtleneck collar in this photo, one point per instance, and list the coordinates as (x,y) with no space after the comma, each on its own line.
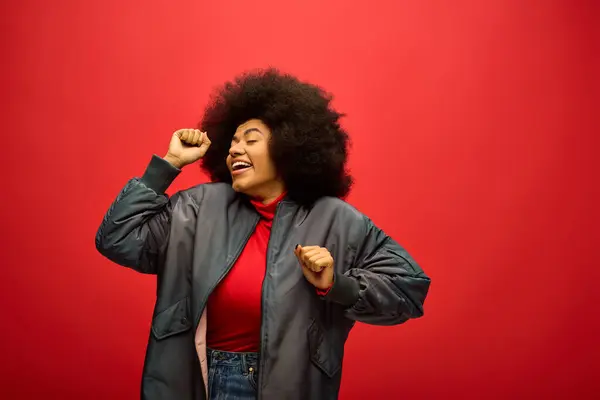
(267,211)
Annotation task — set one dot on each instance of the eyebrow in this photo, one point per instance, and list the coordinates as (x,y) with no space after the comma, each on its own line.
(246,132)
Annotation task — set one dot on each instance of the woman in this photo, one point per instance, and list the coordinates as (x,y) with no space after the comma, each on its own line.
(262,273)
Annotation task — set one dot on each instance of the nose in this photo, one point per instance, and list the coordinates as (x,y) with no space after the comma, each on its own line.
(236,150)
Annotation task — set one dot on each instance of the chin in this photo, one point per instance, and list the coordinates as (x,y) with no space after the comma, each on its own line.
(239,187)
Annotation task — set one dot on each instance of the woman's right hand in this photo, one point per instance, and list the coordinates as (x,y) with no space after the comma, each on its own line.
(187,146)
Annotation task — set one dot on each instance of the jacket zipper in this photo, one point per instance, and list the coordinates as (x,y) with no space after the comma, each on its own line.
(229,266)
(226,271)
(261,357)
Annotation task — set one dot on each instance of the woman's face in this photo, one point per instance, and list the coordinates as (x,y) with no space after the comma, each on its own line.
(252,169)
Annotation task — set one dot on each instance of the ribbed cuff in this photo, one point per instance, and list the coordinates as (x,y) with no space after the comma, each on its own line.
(159,174)
(344,290)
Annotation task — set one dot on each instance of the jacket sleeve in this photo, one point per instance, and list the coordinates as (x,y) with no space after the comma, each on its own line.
(384,286)
(135,230)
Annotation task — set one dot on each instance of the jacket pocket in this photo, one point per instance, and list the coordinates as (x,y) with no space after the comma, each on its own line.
(325,353)
(172,320)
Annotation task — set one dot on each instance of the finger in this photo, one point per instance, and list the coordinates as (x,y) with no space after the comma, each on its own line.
(196,138)
(297,251)
(306,249)
(300,250)
(204,142)
(311,265)
(310,247)
(184,135)
(307,255)
(190,140)
(314,258)
(325,262)
(306,268)
(318,263)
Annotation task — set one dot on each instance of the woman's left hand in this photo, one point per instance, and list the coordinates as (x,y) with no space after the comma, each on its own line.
(317,265)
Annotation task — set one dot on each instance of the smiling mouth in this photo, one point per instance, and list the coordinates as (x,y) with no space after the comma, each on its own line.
(239,167)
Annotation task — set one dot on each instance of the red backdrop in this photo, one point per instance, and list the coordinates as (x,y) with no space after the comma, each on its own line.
(473,135)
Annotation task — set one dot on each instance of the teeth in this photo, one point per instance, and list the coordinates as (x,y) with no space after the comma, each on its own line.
(240,165)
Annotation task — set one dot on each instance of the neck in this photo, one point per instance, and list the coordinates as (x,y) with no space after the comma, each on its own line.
(269,198)
(270,194)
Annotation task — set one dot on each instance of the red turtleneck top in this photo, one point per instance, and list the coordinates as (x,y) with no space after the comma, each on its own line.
(234,307)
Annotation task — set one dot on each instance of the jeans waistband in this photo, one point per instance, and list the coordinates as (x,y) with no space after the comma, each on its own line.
(225,358)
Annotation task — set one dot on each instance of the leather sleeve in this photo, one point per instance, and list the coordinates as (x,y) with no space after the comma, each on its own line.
(385,286)
(135,230)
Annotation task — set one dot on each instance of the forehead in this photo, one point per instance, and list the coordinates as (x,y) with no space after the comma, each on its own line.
(252,124)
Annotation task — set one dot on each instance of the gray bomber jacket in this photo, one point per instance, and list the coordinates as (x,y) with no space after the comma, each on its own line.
(192,239)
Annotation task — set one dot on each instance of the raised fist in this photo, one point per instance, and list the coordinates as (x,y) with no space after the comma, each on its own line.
(187,146)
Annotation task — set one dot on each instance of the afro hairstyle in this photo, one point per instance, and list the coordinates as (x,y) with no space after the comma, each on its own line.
(308,146)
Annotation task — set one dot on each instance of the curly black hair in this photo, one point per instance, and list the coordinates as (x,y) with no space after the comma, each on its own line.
(308,145)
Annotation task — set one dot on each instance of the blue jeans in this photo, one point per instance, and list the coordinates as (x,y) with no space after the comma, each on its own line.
(232,376)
